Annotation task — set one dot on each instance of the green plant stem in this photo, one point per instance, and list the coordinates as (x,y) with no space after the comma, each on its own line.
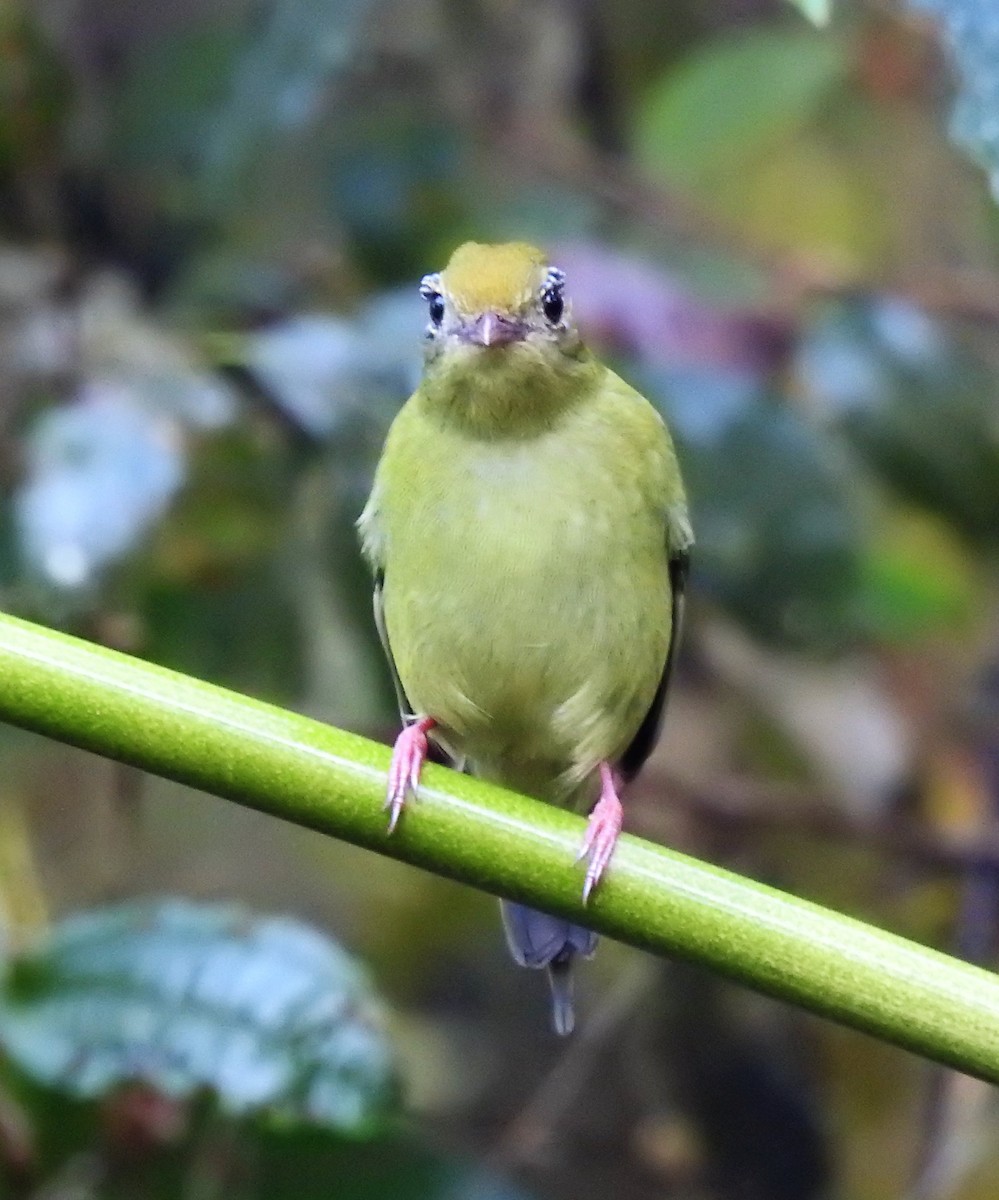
(334,782)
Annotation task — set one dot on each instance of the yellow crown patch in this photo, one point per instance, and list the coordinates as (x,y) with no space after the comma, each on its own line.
(504,278)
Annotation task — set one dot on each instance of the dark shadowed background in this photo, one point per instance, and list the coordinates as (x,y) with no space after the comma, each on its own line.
(213,221)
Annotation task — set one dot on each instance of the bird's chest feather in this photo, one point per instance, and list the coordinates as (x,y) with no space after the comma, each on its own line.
(526,595)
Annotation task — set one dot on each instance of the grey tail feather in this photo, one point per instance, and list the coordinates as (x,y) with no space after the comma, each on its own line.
(538,940)
(560,980)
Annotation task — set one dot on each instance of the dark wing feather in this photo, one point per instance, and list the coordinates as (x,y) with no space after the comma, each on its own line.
(644,741)
(405,712)
(438,751)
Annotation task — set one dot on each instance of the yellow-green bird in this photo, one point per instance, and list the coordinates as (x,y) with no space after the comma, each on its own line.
(529,536)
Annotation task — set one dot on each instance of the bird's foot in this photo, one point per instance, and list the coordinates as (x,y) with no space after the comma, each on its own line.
(408,756)
(601,832)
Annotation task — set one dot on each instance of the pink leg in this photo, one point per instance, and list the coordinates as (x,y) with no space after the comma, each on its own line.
(408,756)
(602,831)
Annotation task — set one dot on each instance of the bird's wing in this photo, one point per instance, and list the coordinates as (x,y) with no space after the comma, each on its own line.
(441,751)
(642,744)
(373,548)
(405,711)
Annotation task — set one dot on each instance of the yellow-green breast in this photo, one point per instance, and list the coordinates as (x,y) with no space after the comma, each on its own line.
(527,595)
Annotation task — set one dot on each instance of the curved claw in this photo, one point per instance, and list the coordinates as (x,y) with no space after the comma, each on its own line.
(601,832)
(408,756)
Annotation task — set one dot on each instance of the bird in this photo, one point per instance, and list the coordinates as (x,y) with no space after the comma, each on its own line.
(529,538)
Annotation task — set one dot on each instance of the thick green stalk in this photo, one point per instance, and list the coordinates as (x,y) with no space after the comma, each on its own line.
(331,781)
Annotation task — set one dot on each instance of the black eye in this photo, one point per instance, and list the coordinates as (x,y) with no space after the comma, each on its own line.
(430,290)
(552,305)
(436,302)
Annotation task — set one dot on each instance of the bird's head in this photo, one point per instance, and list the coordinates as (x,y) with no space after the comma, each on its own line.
(490,299)
(502,350)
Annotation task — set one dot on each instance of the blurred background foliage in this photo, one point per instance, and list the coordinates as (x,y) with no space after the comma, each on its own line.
(212,222)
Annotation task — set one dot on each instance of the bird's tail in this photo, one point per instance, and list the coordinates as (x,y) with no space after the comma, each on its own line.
(538,940)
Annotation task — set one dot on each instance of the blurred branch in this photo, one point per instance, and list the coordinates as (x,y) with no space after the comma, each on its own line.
(532,1131)
(328,780)
(747,805)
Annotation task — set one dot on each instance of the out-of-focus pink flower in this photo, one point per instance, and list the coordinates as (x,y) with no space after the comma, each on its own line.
(626,303)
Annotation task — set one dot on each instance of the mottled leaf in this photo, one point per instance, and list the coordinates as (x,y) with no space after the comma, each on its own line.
(100,471)
(119,341)
(267,1013)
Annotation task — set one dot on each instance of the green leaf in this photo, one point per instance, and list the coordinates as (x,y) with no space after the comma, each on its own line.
(819,12)
(267,1013)
(917,579)
(735,100)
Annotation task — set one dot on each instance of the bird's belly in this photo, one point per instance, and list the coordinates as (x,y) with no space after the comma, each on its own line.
(545,645)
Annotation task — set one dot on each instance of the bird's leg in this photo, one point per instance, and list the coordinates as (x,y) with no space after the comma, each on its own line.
(602,831)
(408,756)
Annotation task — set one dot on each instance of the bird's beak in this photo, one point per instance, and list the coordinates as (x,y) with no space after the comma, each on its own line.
(492,329)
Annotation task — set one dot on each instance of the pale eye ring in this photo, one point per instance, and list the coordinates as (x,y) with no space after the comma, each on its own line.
(430,290)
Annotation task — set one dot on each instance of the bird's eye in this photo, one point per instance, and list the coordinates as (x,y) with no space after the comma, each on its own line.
(430,291)
(552,304)
(436,303)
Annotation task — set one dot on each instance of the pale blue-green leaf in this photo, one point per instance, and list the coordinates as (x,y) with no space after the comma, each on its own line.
(100,472)
(819,12)
(971,32)
(321,369)
(304,363)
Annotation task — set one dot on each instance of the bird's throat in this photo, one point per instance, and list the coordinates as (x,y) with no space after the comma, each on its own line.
(505,391)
